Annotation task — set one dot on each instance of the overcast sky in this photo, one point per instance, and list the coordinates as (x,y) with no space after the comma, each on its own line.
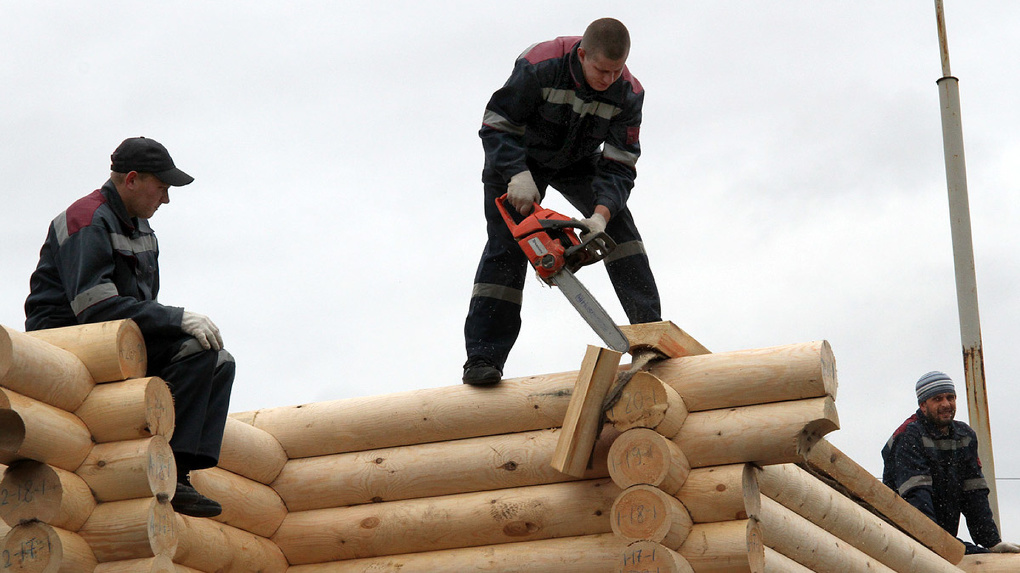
(791,186)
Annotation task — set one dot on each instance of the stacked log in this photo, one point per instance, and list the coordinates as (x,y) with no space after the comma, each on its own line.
(718,489)
(710,462)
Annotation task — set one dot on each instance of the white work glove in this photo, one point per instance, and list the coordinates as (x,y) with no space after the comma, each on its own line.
(203,329)
(522,192)
(1005,547)
(596,224)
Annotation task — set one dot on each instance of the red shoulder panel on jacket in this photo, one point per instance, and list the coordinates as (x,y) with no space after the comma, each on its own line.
(80,213)
(552,49)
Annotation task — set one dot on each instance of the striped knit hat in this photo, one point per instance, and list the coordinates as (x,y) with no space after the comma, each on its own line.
(932,384)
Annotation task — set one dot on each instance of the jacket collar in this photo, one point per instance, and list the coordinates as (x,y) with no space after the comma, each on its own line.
(109,190)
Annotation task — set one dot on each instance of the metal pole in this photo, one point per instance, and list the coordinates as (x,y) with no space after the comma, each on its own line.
(963,257)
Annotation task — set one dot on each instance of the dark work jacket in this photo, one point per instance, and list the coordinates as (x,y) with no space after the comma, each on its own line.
(547,118)
(941,476)
(99,264)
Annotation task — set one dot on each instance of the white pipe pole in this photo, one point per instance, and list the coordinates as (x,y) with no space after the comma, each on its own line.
(963,257)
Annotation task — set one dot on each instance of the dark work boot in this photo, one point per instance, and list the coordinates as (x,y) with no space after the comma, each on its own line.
(480,371)
(188,501)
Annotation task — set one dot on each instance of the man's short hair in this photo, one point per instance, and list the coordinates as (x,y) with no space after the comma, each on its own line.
(607,37)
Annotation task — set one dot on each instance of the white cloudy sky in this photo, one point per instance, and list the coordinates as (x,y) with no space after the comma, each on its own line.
(791,187)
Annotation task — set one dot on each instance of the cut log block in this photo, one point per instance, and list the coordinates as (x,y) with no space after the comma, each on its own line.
(36,547)
(159,564)
(714,493)
(206,545)
(251,452)
(646,513)
(130,469)
(584,415)
(663,337)
(643,456)
(991,563)
(131,529)
(645,556)
(584,554)
(247,504)
(417,416)
(42,371)
(463,520)
(765,434)
(33,490)
(111,351)
(645,402)
(129,410)
(720,547)
(827,460)
(812,499)
(51,435)
(808,544)
(776,374)
(429,470)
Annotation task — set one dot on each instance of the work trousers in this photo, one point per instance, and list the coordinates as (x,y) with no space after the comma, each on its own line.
(494,313)
(200,381)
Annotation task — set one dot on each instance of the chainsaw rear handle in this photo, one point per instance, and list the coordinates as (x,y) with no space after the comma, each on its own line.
(576,253)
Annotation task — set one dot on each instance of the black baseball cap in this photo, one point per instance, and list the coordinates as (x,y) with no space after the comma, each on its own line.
(146,155)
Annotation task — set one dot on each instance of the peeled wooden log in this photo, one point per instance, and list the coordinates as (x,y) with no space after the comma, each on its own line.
(714,493)
(721,547)
(808,544)
(42,371)
(827,460)
(50,434)
(463,520)
(129,410)
(36,547)
(131,529)
(646,402)
(583,418)
(158,564)
(130,469)
(645,556)
(417,416)
(111,351)
(12,431)
(429,470)
(801,492)
(776,374)
(646,513)
(643,456)
(776,562)
(247,504)
(765,433)
(991,563)
(251,452)
(206,545)
(584,554)
(37,491)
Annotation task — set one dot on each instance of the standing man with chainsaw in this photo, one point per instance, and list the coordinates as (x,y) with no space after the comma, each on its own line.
(569,116)
(100,263)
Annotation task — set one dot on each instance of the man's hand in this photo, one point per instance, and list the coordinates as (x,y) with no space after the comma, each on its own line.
(522,192)
(203,329)
(596,224)
(1005,547)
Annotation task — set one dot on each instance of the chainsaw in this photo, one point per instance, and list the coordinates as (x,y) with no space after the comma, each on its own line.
(550,242)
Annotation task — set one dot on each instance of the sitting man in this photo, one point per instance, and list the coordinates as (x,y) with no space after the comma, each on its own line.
(932,462)
(99,263)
